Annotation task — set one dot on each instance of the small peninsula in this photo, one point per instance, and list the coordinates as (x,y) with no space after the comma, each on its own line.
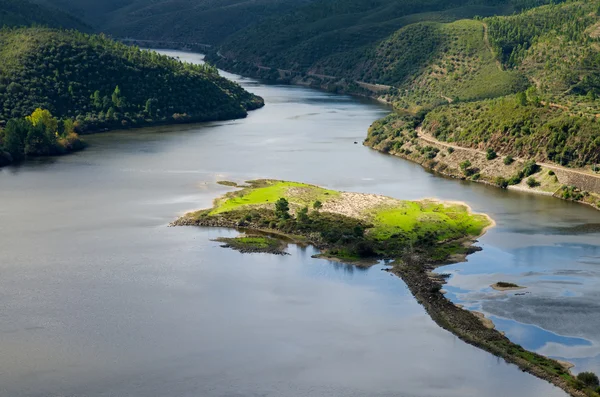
(417,236)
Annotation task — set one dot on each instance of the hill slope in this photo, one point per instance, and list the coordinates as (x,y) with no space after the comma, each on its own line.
(90,82)
(190,21)
(320,34)
(25,13)
(102,83)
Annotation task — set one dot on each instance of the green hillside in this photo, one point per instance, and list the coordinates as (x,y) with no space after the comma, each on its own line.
(26,13)
(324,32)
(76,75)
(557,48)
(99,83)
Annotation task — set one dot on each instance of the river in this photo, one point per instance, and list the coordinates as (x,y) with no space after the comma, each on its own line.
(99,297)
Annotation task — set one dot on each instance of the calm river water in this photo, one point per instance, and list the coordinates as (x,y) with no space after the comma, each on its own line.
(98,297)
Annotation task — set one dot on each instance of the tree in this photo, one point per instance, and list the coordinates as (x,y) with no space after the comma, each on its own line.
(491,154)
(37,142)
(44,117)
(117,98)
(590,379)
(302,216)
(282,208)
(68,127)
(14,137)
(317,205)
(97,100)
(151,105)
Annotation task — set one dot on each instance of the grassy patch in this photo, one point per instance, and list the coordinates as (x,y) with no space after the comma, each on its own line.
(416,220)
(253,244)
(267,192)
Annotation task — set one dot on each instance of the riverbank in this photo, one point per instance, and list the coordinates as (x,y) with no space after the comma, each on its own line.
(420,236)
(129,124)
(396,136)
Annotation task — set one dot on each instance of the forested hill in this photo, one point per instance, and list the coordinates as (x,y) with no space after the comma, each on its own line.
(332,36)
(541,88)
(25,13)
(91,83)
(100,83)
(191,21)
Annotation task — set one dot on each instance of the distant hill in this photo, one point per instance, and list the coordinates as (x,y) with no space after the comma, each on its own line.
(191,21)
(335,36)
(26,13)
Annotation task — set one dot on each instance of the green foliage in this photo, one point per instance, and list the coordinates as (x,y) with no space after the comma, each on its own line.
(508,160)
(530,168)
(491,154)
(104,84)
(590,379)
(501,182)
(38,135)
(282,208)
(544,133)
(532,182)
(317,205)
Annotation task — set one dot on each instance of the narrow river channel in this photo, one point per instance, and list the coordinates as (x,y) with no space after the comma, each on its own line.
(98,297)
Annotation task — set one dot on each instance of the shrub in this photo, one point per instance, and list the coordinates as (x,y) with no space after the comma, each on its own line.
(532,182)
(551,173)
(491,154)
(508,160)
(317,205)
(515,180)
(450,150)
(282,208)
(530,168)
(590,379)
(501,182)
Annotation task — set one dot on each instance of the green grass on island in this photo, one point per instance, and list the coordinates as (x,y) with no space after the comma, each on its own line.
(254,244)
(349,226)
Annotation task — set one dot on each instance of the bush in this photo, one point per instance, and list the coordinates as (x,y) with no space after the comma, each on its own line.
(501,182)
(508,160)
(551,173)
(491,154)
(590,379)
(532,182)
(450,150)
(515,180)
(465,165)
(530,168)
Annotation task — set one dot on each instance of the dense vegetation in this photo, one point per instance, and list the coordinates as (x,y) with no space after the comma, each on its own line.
(333,37)
(39,134)
(539,132)
(25,12)
(191,21)
(101,84)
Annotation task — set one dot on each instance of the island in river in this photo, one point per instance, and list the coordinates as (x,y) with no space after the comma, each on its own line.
(418,236)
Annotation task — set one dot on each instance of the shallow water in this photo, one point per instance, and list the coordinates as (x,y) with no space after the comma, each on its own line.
(101,298)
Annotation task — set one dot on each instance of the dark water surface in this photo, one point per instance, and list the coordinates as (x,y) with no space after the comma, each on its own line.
(98,297)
